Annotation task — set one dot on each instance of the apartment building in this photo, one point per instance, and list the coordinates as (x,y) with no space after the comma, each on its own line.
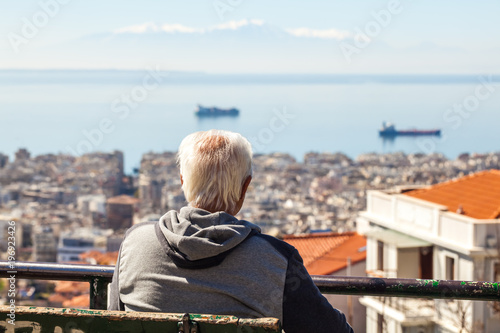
(448,231)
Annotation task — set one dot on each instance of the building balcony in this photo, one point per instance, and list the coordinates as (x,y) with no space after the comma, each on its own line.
(406,311)
(430,222)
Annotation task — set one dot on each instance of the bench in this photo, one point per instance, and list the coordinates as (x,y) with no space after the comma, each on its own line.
(55,320)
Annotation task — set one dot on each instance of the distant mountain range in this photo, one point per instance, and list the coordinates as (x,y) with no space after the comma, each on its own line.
(239,46)
(251,46)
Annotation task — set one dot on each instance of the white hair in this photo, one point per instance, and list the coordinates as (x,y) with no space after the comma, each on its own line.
(214,165)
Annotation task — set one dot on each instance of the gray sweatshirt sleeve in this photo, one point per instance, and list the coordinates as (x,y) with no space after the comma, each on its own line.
(305,309)
(114,302)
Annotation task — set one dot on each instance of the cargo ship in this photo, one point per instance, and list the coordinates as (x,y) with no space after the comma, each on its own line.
(389,129)
(213,111)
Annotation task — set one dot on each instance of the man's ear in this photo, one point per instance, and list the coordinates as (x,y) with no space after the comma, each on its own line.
(182,181)
(245,187)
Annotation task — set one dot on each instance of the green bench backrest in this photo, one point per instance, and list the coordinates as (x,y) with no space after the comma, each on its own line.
(38,319)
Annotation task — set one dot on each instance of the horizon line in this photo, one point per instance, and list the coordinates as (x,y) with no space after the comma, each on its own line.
(236,73)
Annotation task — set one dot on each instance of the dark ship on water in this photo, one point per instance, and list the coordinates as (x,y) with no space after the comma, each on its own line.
(213,111)
(389,130)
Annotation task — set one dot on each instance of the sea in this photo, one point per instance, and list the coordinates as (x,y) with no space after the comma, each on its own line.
(78,111)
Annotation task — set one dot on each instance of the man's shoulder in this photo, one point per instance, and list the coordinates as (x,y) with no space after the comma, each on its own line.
(140,228)
(140,240)
(286,250)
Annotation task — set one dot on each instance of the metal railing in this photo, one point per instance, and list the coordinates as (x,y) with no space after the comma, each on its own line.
(97,276)
(100,276)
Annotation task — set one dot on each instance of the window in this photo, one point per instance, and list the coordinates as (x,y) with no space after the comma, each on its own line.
(496,272)
(450,268)
(426,254)
(380,323)
(380,255)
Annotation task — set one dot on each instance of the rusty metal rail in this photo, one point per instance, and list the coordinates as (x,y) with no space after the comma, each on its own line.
(100,276)
(417,288)
(97,276)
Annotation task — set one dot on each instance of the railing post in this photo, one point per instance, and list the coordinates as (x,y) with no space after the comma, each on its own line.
(99,293)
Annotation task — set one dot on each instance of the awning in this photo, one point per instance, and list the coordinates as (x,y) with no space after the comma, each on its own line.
(396,238)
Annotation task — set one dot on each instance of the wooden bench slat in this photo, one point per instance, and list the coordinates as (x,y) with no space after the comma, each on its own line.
(39,319)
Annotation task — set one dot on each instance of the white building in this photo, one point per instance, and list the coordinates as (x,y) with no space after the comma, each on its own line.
(75,242)
(4,196)
(44,244)
(446,232)
(8,229)
(92,203)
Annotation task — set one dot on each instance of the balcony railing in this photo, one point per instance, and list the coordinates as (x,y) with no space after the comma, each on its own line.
(100,276)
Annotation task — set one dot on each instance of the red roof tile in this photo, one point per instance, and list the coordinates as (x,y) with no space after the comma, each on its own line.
(73,287)
(80,301)
(478,195)
(57,298)
(326,253)
(123,199)
(108,258)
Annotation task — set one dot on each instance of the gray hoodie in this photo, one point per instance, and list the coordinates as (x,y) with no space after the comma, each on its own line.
(201,262)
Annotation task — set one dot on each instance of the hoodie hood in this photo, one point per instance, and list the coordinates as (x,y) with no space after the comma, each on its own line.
(196,238)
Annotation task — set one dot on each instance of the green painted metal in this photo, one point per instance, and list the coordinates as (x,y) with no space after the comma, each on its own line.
(419,288)
(50,320)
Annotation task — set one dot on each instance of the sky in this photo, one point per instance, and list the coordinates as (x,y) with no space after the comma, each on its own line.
(418,36)
(237,36)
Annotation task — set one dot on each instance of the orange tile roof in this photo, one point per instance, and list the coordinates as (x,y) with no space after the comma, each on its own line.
(72,287)
(80,301)
(57,298)
(123,199)
(108,258)
(326,253)
(478,194)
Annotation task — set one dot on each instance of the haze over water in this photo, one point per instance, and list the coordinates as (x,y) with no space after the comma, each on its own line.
(48,112)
